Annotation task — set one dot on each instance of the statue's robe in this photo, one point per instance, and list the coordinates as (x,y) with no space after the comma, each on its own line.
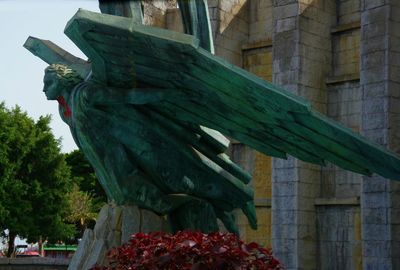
(138,160)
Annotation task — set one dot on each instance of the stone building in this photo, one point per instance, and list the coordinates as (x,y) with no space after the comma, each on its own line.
(344,57)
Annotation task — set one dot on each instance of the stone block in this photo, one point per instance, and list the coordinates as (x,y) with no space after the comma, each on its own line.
(306,216)
(284,175)
(103,222)
(174,20)
(372,75)
(307,232)
(375,105)
(394,29)
(375,44)
(286,11)
(395,228)
(284,203)
(377,249)
(309,174)
(394,73)
(373,59)
(347,190)
(348,7)
(152,222)
(278,3)
(374,184)
(281,64)
(373,30)
(394,44)
(376,263)
(315,41)
(130,222)
(374,121)
(287,24)
(312,53)
(284,189)
(378,136)
(284,217)
(283,245)
(371,4)
(313,27)
(285,231)
(279,163)
(371,15)
(375,90)
(376,232)
(333,111)
(375,201)
(84,248)
(97,254)
(114,239)
(4,261)
(212,3)
(307,190)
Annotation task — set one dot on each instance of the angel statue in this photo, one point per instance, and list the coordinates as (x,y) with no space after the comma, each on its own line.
(150,107)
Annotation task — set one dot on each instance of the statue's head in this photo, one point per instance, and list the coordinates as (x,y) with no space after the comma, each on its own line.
(58,80)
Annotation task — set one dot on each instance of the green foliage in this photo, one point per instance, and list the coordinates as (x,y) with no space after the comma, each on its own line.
(84,176)
(34,178)
(82,210)
(86,196)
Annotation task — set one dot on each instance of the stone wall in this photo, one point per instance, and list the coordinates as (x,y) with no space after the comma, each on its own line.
(302,54)
(155,12)
(256,54)
(380,83)
(34,263)
(229,23)
(339,237)
(344,57)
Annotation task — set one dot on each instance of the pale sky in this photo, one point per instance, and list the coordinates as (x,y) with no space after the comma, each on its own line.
(21,73)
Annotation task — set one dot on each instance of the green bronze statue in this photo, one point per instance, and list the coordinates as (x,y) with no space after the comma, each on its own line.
(148,109)
(137,159)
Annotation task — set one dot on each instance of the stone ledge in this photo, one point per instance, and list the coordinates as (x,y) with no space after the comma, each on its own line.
(342,78)
(337,201)
(257,45)
(262,202)
(35,261)
(345,27)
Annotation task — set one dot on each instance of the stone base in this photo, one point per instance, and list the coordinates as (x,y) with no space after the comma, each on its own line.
(114,226)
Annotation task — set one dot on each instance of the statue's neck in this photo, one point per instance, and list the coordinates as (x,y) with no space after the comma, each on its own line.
(63,103)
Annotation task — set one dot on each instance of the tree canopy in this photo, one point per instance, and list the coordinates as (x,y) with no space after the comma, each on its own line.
(34,178)
(86,196)
(84,176)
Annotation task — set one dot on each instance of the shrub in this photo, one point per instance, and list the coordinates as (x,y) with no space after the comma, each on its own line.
(191,251)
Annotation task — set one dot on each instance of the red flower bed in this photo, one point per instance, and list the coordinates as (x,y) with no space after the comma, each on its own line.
(191,251)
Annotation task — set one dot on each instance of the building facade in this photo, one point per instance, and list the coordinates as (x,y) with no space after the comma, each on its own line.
(344,57)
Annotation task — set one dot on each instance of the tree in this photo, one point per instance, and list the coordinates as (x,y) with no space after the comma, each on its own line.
(87,196)
(84,176)
(82,210)
(34,179)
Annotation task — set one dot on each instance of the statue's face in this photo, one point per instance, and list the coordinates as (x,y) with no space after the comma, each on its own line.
(52,86)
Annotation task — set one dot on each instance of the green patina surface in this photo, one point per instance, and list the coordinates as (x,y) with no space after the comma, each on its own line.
(144,108)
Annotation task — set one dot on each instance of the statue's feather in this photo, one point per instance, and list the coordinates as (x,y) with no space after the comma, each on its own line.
(221,96)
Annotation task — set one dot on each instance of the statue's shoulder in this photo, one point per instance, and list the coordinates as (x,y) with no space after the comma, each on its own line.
(89,91)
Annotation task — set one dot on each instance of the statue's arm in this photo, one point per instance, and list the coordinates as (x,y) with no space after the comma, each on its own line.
(136,96)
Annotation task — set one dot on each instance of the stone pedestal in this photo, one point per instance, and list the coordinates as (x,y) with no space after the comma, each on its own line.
(114,226)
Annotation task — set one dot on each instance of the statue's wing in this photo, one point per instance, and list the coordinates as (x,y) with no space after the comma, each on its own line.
(221,96)
(109,43)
